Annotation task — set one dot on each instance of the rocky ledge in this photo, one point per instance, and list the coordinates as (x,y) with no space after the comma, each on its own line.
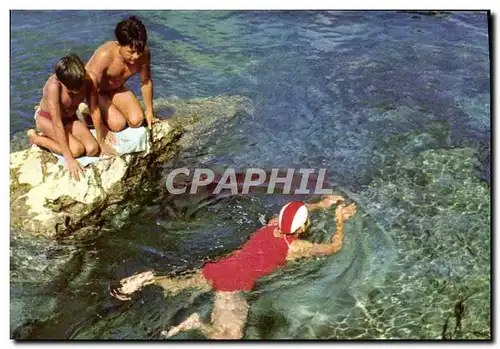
(44,200)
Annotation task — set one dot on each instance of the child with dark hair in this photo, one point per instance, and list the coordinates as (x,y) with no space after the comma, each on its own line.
(62,132)
(131,32)
(112,64)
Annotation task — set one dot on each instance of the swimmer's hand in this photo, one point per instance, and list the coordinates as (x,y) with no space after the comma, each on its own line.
(326,202)
(346,211)
(329,200)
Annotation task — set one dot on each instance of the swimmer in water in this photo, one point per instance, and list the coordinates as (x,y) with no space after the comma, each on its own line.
(267,249)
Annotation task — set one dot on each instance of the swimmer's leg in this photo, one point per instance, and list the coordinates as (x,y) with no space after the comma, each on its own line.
(131,284)
(228,318)
(171,285)
(174,285)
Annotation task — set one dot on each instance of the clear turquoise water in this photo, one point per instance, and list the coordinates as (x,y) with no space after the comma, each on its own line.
(316,77)
(363,94)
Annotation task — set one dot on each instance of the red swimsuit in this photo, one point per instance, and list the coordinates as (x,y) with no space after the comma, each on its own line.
(45,114)
(260,256)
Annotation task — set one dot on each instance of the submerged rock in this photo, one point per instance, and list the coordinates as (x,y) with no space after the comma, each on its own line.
(437,211)
(44,200)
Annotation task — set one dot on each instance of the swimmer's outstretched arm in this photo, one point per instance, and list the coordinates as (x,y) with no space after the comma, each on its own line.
(326,202)
(302,248)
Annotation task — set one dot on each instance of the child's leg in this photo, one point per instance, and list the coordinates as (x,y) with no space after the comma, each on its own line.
(42,141)
(80,131)
(128,105)
(111,116)
(49,139)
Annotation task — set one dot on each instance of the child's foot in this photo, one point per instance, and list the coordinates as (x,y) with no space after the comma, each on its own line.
(190,323)
(31,135)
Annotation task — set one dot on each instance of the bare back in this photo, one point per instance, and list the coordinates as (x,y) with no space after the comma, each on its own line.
(111,69)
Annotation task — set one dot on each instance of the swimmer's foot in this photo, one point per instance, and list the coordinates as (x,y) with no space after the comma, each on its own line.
(192,322)
(131,284)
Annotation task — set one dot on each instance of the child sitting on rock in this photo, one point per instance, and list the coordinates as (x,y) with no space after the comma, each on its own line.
(62,132)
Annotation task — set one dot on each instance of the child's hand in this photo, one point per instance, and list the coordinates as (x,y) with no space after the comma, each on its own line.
(108,135)
(150,119)
(111,138)
(74,168)
(106,149)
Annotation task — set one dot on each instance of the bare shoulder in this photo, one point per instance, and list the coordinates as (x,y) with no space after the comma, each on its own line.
(104,53)
(107,47)
(52,87)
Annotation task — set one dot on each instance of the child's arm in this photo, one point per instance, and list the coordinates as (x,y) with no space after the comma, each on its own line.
(53,92)
(147,86)
(98,64)
(95,114)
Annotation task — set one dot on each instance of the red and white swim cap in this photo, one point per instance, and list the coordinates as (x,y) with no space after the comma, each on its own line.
(292,216)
